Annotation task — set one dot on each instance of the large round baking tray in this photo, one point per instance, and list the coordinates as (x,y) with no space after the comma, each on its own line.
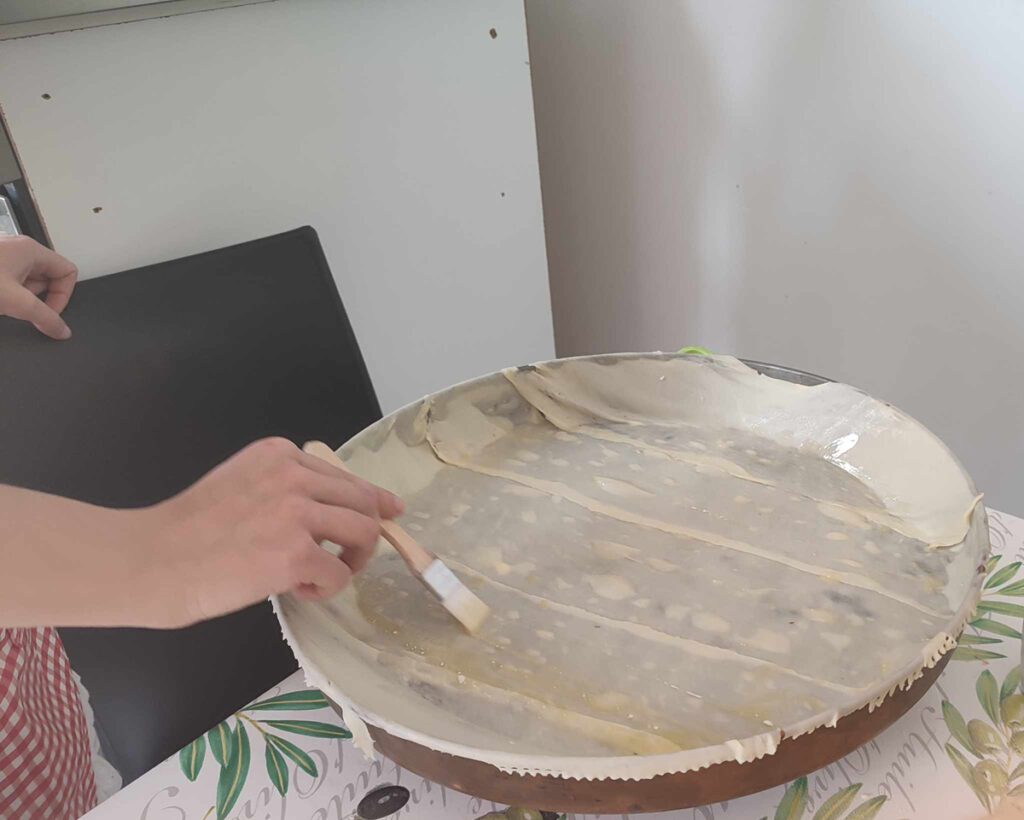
(723,781)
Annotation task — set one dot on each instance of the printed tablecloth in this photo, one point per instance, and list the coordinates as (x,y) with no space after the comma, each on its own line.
(957,755)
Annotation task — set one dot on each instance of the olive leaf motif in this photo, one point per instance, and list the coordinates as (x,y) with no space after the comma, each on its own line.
(996,628)
(794,801)
(230,746)
(839,802)
(1015,590)
(232,776)
(310,728)
(988,695)
(1003,575)
(277,769)
(191,758)
(958,727)
(967,639)
(1000,583)
(292,701)
(1002,607)
(220,739)
(966,770)
(868,810)
(969,653)
(290,750)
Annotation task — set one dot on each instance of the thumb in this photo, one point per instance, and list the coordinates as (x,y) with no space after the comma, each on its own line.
(19,302)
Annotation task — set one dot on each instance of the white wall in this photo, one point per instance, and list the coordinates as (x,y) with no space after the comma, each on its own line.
(834,186)
(402,131)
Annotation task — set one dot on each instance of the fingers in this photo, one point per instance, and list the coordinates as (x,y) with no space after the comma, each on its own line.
(319,502)
(60,288)
(320,574)
(40,269)
(21,303)
(50,265)
(389,505)
(341,492)
(356,534)
(58,291)
(324,467)
(309,592)
(359,495)
(59,275)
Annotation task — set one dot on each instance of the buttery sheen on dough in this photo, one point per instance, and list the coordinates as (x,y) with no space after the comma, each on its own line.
(684,559)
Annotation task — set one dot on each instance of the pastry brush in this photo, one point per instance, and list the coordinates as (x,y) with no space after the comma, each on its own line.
(454,595)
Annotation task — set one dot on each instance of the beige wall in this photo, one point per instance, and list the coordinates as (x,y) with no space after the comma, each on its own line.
(402,131)
(834,186)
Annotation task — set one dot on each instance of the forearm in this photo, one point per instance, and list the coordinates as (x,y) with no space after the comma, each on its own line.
(66,563)
(248,529)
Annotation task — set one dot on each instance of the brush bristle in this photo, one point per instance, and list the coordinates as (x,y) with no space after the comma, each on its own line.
(469,610)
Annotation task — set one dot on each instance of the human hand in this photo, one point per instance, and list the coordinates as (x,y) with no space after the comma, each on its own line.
(27,272)
(252,527)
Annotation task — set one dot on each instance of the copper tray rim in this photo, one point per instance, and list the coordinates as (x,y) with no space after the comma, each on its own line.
(729,780)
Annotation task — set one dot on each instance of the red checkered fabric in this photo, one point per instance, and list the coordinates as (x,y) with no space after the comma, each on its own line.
(45,763)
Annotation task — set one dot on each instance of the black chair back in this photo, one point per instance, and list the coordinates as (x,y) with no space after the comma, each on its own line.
(171,369)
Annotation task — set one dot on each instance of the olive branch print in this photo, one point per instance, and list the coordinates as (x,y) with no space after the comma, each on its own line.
(230,746)
(793,805)
(996,745)
(984,630)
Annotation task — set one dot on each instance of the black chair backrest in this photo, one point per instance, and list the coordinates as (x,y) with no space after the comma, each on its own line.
(171,369)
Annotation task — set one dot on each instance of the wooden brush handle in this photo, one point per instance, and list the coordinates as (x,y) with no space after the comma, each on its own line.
(415,554)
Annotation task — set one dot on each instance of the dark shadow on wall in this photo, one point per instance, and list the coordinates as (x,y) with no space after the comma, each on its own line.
(616,261)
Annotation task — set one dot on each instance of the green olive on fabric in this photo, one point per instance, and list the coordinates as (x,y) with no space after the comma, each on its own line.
(985,739)
(989,777)
(523,814)
(1013,711)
